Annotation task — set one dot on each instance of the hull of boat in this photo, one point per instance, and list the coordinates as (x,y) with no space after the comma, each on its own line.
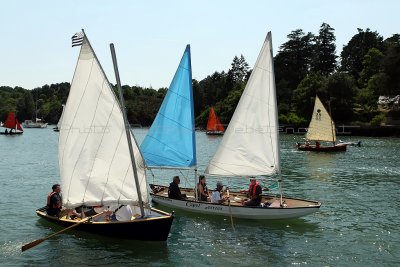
(214,133)
(336,148)
(36,125)
(293,208)
(13,133)
(148,229)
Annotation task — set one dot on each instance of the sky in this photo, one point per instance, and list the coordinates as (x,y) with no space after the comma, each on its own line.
(150,36)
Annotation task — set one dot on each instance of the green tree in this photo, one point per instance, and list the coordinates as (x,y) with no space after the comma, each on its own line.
(353,53)
(325,50)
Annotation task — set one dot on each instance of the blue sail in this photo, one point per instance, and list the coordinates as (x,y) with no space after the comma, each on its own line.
(170,141)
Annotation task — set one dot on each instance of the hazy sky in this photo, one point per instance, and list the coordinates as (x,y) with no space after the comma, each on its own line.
(150,36)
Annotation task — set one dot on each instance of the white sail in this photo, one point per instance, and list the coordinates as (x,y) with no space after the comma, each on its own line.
(321,127)
(94,160)
(60,120)
(250,145)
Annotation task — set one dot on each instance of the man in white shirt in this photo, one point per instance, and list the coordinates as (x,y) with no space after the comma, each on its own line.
(216,195)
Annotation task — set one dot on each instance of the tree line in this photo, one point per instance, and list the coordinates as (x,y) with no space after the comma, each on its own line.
(305,65)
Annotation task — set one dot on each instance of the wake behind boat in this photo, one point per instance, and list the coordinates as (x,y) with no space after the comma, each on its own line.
(103,166)
(321,129)
(241,153)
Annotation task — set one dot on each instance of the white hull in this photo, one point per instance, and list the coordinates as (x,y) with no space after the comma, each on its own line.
(294,207)
(35,125)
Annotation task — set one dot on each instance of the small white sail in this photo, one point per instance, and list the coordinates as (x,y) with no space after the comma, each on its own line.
(250,145)
(94,160)
(321,127)
(60,120)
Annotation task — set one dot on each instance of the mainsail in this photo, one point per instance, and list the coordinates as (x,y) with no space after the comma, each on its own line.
(94,159)
(12,122)
(321,127)
(170,141)
(214,124)
(250,145)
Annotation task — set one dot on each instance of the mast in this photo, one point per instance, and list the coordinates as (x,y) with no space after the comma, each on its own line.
(330,115)
(277,124)
(127,130)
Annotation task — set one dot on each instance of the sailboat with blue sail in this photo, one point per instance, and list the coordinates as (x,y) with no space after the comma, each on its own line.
(241,153)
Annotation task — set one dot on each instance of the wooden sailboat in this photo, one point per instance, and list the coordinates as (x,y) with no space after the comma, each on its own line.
(214,126)
(12,125)
(321,129)
(100,161)
(250,147)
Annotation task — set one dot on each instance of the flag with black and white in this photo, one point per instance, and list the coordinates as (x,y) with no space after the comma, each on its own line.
(77,39)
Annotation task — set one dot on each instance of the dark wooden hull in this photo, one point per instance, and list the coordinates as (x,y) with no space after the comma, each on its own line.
(149,229)
(214,133)
(335,148)
(13,133)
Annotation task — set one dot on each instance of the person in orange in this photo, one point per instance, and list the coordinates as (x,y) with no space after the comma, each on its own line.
(254,194)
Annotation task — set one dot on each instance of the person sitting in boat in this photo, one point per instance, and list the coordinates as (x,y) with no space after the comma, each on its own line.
(173,191)
(216,196)
(317,144)
(202,191)
(6,132)
(254,194)
(54,204)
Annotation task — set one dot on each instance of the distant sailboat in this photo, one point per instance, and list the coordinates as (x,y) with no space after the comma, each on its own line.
(321,128)
(250,146)
(12,124)
(214,126)
(99,160)
(37,123)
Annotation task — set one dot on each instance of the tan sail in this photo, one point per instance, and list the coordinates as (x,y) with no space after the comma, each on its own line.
(321,128)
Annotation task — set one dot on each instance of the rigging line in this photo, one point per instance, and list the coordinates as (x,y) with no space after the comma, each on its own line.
(74,117)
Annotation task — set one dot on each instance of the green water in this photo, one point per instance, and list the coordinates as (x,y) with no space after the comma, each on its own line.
(357,225)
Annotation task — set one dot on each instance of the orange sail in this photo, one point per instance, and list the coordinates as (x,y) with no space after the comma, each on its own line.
(12,122)
(214,123)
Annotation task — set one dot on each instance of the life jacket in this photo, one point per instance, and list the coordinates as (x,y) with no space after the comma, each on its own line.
(253,190)
(55,205)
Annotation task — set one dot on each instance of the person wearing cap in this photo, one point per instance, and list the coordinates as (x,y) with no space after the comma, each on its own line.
(173,191)
(216,195)
(254,194)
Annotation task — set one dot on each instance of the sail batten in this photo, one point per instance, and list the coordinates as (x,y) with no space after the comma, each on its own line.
(94,156)
(321,127)
(250,144)
(170,141)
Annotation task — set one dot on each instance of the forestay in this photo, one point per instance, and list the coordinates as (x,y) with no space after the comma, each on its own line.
(321,127)
(95,164)
(250,145)
(170,141)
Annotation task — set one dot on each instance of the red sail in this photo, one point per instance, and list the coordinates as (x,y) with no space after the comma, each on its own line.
(213,122)
(12,122)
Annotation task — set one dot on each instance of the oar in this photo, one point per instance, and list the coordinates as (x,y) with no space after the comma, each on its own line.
(230,209)
(38,241)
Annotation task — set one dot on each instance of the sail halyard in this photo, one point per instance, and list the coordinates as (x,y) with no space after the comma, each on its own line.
(321,126)
(250,146)
(95,165)
(170,141)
